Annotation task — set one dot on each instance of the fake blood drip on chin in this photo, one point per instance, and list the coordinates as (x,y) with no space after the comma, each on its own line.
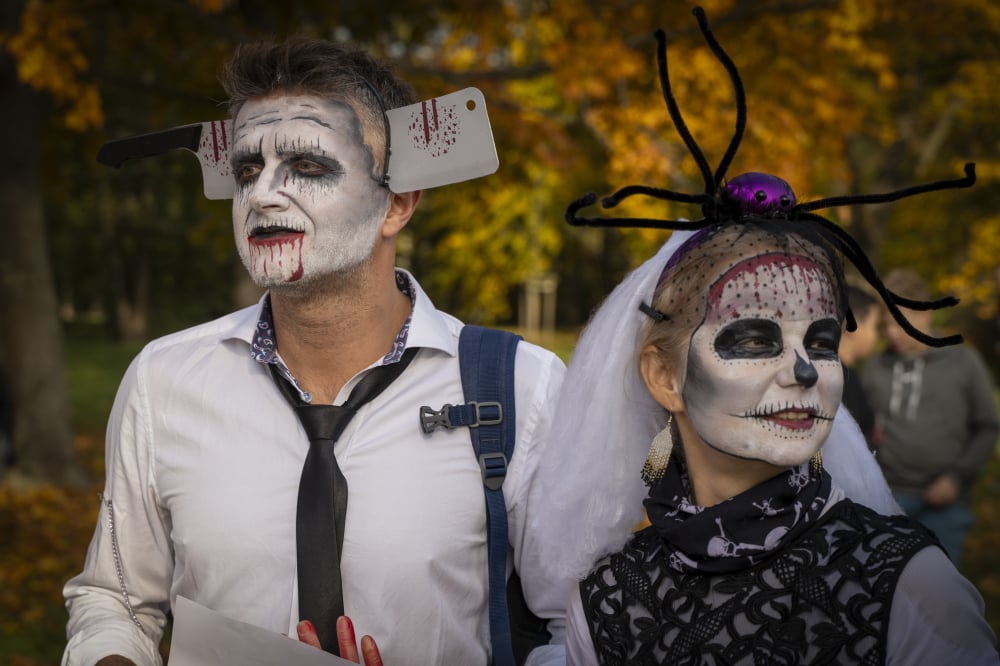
(278,250)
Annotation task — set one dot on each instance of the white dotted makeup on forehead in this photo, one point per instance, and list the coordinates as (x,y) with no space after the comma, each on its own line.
(758,199)
(734,249)
(774,282)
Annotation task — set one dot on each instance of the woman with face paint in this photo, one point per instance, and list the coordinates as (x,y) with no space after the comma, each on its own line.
(709,500)
(771,537)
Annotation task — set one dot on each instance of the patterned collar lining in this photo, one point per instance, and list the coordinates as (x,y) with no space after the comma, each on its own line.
(263,349)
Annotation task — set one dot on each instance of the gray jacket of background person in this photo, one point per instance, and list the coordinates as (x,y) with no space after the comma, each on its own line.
(937,415)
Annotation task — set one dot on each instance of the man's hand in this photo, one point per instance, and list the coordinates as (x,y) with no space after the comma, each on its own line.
(942,492)
(346,640)
(307,634)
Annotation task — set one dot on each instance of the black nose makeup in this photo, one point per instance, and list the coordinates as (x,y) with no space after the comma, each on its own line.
(805,372)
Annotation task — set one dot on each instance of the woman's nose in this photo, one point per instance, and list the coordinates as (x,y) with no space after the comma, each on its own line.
(805,372)
(797,369)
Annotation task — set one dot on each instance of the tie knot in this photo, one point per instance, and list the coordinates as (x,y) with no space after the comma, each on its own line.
(324,422)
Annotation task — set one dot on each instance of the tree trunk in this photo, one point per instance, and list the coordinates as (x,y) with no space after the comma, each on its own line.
(31,333)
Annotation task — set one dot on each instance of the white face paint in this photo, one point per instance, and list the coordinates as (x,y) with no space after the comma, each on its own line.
(306,203)
(763,377)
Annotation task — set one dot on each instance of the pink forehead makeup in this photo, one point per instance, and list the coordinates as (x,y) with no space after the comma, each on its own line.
(787,285)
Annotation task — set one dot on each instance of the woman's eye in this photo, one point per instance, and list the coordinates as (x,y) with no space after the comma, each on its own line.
(823,349)
(749,338)
(823,339)
(756,343)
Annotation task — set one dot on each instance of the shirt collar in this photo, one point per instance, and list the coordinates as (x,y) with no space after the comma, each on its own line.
(429,327)
(425,327)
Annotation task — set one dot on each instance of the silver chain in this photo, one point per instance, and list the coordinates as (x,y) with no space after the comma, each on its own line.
(118,564)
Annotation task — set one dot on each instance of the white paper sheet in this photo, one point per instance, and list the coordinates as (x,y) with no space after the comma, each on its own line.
(202,637)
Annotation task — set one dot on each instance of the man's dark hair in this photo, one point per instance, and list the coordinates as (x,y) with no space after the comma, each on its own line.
(332,71)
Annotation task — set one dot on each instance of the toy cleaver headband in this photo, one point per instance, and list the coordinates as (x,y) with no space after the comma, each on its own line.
(432,143)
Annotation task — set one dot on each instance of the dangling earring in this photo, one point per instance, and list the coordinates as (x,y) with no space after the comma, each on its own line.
(659,454)
(816,464)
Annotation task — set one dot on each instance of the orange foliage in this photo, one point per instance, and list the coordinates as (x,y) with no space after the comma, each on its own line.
(50,58)
(46,530)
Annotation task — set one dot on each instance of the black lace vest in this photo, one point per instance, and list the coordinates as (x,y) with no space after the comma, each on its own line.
(823,599)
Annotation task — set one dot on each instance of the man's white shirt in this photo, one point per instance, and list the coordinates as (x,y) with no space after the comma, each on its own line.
(203,463)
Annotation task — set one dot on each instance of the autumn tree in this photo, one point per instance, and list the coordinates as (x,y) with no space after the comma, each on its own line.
(31,332)
(844,96)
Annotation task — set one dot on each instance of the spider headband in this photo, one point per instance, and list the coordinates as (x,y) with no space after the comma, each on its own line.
(754,197)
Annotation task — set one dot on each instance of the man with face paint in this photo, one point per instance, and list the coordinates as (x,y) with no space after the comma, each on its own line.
(757,550)
(204,453)
(937,422)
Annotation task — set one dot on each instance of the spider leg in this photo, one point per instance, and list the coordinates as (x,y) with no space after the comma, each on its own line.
(613,200)
(854,199)
(741,99)
(852,322)
(856,255)
(638,222)
(675,114)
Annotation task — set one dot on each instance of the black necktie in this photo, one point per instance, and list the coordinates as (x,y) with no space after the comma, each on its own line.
(322,502)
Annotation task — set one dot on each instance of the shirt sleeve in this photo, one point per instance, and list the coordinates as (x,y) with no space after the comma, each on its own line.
(937,616)
(539,377)
(129,552)
(579,645)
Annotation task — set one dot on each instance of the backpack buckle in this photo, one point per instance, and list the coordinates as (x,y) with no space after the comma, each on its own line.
(494,469)
(430,419)
(493,414)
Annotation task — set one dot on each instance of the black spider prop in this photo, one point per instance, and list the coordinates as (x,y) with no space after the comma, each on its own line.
(756,196)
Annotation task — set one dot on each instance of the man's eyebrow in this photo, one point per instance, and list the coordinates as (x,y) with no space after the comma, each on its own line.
(242,155)
(313,119)
(256,120)
(316,120)
(245,154)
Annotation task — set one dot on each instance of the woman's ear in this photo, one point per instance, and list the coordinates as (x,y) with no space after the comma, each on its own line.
(662,380)
(401,208)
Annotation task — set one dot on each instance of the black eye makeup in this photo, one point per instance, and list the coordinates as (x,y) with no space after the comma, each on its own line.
(311,165)
(749,339)
(822,340)
(247,164)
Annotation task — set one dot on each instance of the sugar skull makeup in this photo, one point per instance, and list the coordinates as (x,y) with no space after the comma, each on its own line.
(306,204)
(763,378)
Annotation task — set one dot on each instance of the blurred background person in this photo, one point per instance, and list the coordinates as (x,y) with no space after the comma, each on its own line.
(936,420)
(855,348)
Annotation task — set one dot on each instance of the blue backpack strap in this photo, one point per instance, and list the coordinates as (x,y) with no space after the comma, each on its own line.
(486,358)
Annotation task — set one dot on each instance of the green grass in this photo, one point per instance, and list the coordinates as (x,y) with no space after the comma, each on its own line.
(94,368)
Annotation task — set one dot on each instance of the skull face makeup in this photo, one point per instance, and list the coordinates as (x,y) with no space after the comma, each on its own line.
(306,204)
(763,378)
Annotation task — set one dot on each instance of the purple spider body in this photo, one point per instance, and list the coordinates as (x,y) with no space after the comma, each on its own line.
(760,193)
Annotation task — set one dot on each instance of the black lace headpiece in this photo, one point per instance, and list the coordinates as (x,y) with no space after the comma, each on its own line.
(760,196)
